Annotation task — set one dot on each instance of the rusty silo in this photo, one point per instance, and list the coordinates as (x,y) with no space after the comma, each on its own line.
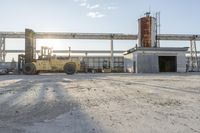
(147,31)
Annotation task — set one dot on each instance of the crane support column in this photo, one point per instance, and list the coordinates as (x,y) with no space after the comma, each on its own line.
(112,58)
(2,49)
(30,46)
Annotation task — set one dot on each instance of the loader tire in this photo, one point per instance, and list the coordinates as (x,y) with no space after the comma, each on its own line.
(70,68)
(29,69)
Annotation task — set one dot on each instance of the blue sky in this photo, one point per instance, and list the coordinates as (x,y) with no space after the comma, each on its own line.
(98,16)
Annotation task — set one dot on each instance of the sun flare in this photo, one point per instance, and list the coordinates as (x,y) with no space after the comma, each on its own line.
(51,43)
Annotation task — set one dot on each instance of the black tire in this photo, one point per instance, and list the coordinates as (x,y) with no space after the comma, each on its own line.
(29,69)
(70,68)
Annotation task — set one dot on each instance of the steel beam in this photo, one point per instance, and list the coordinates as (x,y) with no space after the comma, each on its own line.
(78,51)
(178,37)
(13,35)
(97,36)
(72,51)
(90,36)
(62,35)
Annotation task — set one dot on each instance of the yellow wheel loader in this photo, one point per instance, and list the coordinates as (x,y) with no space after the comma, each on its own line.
(55,65)
(45,62)
(48,63)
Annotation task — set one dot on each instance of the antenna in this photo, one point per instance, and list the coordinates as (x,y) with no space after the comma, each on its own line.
(150,9)
(158,28)
(147,14)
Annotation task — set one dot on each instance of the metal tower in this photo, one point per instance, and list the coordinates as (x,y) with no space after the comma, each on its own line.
(158,25)
(194,64)
(2,49)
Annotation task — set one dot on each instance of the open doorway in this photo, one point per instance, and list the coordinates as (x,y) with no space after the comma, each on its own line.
(167,63)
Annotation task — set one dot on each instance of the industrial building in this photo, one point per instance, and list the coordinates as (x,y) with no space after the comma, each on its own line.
(96,63)
(153,60)
(146,57)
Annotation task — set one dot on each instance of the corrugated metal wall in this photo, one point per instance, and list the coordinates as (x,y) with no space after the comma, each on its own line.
(96,63)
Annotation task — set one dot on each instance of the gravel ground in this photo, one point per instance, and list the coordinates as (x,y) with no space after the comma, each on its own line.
(96,103)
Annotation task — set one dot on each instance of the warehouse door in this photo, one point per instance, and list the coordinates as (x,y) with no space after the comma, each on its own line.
(167,64)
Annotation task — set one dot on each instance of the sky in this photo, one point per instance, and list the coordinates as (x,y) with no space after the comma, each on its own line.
(96,16)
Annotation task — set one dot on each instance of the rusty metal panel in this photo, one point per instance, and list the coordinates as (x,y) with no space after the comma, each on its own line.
(145,26)
(147,32)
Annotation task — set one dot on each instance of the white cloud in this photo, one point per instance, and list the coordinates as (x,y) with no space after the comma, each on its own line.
(93,6)
(94,10)
(88,6)
(84,3)
(95,15)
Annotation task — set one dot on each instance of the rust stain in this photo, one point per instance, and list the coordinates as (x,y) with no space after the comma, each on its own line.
(146,23)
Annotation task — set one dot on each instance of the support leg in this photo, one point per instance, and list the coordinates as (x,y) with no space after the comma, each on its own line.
(2,50)
(112,58)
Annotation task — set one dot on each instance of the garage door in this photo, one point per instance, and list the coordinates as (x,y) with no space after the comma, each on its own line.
(167,64)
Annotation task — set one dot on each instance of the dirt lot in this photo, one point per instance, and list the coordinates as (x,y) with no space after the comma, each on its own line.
(110,103)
